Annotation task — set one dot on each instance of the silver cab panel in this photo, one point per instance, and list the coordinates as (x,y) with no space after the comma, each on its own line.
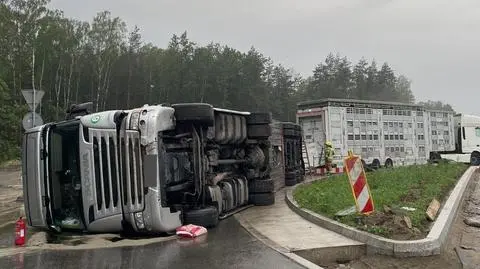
(33,178)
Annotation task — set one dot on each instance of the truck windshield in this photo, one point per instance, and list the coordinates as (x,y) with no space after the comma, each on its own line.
(64,171)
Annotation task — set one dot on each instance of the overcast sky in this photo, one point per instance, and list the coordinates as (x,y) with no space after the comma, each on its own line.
(436,43)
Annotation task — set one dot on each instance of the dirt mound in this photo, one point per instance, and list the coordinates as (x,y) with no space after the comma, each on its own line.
(391,225)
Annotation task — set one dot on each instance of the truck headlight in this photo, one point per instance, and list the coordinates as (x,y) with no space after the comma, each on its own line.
(139,220)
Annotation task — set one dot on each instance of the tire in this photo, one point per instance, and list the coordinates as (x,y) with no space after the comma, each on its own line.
(475,158)
(206,217)
(262,199)
(376,164)
(290,179)
(259,131)
(259,118)
(290,182)
(194,112)
(389,163)
(261,185)
(435,157)
(290,174)
(300,177)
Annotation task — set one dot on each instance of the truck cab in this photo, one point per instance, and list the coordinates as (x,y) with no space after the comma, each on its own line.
(467,141)
(147,170)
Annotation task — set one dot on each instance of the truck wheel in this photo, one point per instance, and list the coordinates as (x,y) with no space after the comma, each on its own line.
(290,181)
(376,164)
(261,185)
(366,168)
(475,158)
(259,118)
(194,112)
(290,178)
(262,199)
(259,131)
(206,217)
(435,157)
(389,163)
(300,176)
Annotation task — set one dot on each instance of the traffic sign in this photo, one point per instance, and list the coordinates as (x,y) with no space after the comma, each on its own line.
(358,182)
(33,99)
(31,119)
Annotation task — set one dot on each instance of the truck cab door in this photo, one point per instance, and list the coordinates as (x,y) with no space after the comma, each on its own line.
(36,189)
(470,139)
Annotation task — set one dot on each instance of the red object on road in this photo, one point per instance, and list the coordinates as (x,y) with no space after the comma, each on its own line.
(20,232)
(191,231)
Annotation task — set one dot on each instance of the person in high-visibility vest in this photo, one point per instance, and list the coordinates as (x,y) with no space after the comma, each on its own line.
(328,155)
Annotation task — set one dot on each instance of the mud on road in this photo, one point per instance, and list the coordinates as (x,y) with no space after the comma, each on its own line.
(10,194)
(11,207)
(10,204)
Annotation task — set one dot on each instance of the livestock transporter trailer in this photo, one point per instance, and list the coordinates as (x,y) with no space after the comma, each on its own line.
(387,133)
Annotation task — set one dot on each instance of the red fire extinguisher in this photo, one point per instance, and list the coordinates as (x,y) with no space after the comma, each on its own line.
(20,232)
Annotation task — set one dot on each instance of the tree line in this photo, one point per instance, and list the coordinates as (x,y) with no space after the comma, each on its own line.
(102,61)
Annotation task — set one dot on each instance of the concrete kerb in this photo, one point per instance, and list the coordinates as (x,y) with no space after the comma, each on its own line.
(431,245)
(269,243)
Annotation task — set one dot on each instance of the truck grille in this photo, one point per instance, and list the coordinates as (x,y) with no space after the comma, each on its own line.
(107,173)
(132,173)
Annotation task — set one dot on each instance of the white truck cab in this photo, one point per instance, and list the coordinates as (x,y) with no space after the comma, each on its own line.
(467,140)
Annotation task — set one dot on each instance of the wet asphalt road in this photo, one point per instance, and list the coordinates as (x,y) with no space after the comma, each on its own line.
(226,246)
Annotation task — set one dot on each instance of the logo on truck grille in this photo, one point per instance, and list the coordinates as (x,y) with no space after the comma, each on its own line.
(95,119)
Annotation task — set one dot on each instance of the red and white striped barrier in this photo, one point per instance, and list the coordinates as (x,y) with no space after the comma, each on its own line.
(358,182)
(323,171)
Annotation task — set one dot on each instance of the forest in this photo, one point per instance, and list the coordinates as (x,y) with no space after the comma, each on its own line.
(107,62)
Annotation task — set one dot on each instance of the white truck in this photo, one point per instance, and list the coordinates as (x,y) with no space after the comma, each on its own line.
(145,170)
(387,133)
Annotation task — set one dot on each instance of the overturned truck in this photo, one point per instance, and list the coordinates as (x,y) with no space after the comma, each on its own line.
(146,170)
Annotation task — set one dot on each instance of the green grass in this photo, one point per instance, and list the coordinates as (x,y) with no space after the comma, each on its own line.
(411,186)
(10,164)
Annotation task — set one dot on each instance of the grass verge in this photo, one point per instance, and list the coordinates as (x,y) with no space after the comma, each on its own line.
(12,164)
(409,186)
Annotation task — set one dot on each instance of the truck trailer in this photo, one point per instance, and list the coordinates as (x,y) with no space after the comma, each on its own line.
(146,170)
(387,133)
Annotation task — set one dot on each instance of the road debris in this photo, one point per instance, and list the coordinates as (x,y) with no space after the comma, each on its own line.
(387,209)
(191,231)
(408,222)
(474,222)
(433,209)
(37,239)
(346,211)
